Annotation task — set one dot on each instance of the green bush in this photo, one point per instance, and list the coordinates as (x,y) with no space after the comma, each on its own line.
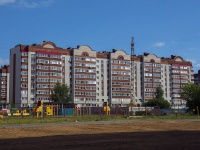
(158,102)
(143,113)
(5,114)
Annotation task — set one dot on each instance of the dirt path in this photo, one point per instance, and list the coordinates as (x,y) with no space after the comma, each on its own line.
(103,135)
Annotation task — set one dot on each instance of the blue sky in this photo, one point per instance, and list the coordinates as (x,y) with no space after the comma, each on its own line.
(160,27)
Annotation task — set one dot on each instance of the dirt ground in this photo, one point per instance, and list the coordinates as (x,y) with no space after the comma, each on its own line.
(103,135)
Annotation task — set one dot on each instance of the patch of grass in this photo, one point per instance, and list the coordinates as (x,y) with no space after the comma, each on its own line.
(57,119)
(87,118)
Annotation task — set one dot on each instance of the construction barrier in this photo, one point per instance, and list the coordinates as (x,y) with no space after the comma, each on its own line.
(25,113)
(17,113)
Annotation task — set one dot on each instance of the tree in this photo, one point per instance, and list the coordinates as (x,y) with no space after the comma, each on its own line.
(191,93)
(61,93)
(158,100)
(159,92)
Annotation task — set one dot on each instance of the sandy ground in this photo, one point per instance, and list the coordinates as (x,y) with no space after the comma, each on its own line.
(103,135)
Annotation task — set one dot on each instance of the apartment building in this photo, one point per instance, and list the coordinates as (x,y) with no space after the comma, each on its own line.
(93,77)
(197,77)
(4,83)
(169,74)
(35,69)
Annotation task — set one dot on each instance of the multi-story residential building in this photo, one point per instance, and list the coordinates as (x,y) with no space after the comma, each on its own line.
(168,73)
(83,76)
(93,77)
(119,73)
(4,84)
(181,72)
(35,69)
(197,77)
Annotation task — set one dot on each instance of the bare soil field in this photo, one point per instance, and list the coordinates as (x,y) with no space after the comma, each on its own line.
(103,135)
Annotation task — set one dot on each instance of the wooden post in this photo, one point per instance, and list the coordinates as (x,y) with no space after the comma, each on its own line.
(54,110)
(57,109)
(64,111)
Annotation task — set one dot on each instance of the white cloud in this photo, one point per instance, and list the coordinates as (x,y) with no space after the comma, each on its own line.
(191,60)
(4,61)
(197,65)
(24,3)
(159,44)
(4,2)
(27,3)
(47,2)
(191,49)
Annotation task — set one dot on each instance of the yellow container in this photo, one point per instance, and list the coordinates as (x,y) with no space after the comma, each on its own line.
(106,110)
(49,110)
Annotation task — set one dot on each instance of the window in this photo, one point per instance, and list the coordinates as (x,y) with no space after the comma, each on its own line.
(85,54)
(24,54)
(24,92)
(24,66)
(148,74)
(24,60)
(24,72)
(3,74)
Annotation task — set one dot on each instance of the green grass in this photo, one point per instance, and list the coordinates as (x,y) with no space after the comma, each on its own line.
(56,119)
(86,118)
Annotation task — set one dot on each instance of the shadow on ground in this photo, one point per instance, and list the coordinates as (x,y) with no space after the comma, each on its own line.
(184,140)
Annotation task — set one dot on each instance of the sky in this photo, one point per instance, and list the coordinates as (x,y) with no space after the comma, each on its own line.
(160,27)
